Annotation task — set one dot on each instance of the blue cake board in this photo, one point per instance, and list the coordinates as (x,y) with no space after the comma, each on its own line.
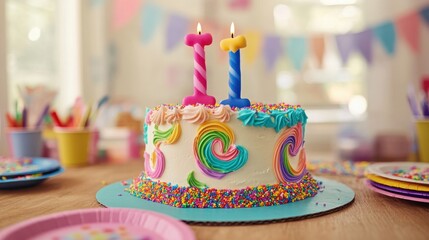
(332,196)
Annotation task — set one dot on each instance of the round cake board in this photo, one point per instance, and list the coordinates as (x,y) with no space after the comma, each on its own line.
(332,196)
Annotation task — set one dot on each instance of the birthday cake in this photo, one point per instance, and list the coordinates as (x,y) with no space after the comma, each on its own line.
(216,156)
(230,155)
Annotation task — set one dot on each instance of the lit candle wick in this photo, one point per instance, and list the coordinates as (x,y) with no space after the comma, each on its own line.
(232,29)
(199,30)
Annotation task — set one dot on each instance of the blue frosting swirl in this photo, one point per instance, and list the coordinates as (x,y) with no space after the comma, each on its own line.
(277,119)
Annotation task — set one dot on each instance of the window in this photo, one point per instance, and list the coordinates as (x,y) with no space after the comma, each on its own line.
(333,91)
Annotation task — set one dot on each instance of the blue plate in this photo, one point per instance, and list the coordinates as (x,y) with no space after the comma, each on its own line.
(332,196)
(36,165)
(15,183)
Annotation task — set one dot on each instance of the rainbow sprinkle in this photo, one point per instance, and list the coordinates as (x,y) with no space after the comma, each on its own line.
(11,165)
(193,197)
(259,107)
(414,173)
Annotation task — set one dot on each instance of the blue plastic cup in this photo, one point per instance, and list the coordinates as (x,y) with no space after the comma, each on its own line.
(25,143)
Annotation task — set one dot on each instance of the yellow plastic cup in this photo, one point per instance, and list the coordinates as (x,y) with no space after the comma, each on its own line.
(73,146)
(423,139)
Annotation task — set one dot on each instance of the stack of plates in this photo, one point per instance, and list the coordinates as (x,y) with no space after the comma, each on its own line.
(26,172)
(405,180)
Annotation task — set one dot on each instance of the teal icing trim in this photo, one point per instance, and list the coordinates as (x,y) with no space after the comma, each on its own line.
(145,127)
(281,120)
(263,120)
(247,116)
(277,119)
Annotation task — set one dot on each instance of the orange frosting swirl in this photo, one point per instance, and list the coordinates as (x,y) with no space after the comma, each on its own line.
(196,114)
(158,116)
(173,115)
(222,113)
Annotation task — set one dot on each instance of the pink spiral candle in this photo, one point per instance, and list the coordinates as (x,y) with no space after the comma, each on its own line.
(198,42)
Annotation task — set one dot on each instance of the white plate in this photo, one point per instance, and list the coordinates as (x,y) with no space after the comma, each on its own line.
(388,169)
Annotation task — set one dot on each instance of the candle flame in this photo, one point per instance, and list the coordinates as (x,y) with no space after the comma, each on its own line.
(232,29)
(199,28)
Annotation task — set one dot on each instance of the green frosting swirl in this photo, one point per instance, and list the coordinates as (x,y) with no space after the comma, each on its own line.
(193,182)
(159,136)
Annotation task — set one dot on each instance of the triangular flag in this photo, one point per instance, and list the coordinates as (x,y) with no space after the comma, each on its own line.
(253,48)
(272,49)
(151,16)
(317,44)
(177,26)
(424,13)
(124,11)
(363,44)
(297,50)
(386,34)
(345,44)
(409,28)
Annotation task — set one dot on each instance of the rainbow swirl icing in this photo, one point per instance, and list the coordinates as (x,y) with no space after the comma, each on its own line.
(157,160)
(168,137)
(214,151)
(289,143)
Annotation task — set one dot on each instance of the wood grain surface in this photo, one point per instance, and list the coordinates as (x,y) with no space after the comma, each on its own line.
(371,216)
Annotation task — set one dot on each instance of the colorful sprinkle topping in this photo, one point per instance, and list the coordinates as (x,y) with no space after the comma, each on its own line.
(9,165)
(194,197)
(414,173)
(99,232)
(343,168)
(260,107)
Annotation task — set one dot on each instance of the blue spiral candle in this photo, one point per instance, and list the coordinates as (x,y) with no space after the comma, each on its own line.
(233,45)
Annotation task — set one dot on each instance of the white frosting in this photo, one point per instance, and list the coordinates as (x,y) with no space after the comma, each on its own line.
(180,160)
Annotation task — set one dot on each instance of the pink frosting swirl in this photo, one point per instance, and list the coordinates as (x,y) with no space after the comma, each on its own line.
(158,116)
(196,114)
(147,119)
(222,113)
(173,115)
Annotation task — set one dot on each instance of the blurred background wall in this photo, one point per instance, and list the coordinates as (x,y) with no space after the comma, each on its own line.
(299,52)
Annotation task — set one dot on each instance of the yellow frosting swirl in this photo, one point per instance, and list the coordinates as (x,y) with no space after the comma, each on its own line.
(196,114)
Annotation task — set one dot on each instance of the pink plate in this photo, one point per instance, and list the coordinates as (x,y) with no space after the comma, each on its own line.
(100,223)
(395,195)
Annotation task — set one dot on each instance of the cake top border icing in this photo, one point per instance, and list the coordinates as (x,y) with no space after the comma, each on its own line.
(256,106)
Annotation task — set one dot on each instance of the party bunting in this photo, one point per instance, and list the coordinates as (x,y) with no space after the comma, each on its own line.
(318,48)
(424,13)
(409,28)
(177,27)
(272,49)
(124,11)
(270,45)
(363,44)
(296,50)
(345,44)
(151,16)
(251,52)
(239,4)
(386,34)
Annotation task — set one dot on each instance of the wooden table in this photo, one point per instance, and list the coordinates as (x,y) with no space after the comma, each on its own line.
(371,216)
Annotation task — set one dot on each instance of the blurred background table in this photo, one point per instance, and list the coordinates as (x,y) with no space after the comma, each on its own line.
(371,216)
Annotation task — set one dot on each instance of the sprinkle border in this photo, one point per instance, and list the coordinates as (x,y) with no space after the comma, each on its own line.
(193,197)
